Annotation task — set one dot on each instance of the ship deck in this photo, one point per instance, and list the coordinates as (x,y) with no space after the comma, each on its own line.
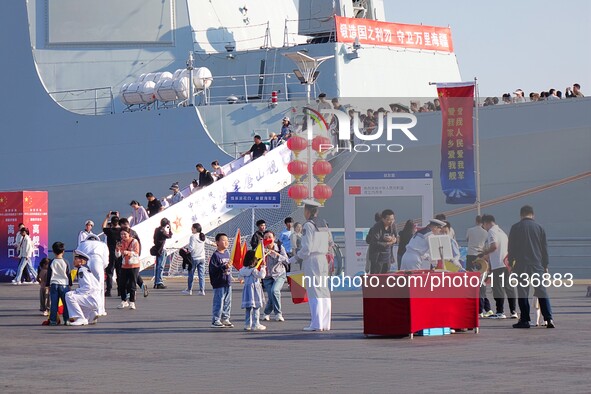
(166,345)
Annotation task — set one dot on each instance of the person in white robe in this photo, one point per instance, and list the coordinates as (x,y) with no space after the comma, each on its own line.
(82,303)
(98,253)
(417,254)
(314,247)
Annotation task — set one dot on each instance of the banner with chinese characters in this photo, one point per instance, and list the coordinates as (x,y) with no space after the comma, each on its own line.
(29,208)
(371,32)
(458,180)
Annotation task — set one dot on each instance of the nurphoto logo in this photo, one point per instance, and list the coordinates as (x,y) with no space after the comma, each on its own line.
(348,127)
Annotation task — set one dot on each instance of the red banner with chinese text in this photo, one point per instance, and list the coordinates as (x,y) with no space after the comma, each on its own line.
(29,208)
(372,32)
(458,180)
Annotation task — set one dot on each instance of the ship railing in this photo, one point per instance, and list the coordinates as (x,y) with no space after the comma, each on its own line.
(256,88)
(92,101)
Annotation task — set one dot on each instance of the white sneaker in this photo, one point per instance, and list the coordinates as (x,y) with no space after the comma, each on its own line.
(93,317)
(79,322)
(45,313)
(311,329)
(132,305)
(279,317)
(498,316)
(247,328)
(124,304)
(260,327)
(201,292)
(227,323)
(187,292)
(266,317)
(514,315)
(488,314)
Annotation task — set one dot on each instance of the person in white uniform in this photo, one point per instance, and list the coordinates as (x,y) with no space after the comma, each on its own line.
(98,253)
(86,232)
(417,254)
(314,247)
(82,303)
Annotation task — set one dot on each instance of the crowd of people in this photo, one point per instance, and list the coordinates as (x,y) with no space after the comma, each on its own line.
(96,261)
(518,96)
(523,252)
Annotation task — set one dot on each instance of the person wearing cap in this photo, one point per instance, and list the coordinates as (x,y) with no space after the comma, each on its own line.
(257,237)
(313,253)
(285,129)
(176,194)
(138,213)
(417,254)
(86,232)
(98,261)
(83,303)
(154,205)
(518,96)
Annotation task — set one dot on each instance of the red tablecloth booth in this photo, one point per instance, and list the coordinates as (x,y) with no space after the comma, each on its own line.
(429,300)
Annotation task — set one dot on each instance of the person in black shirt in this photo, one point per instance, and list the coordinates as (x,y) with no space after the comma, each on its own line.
(257,149)
(380,238)
(113,234)
(528,255)
(161,234)
(258,235)
(154,205)
(205,178)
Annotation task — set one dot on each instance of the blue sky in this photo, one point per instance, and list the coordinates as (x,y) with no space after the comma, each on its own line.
(532,45)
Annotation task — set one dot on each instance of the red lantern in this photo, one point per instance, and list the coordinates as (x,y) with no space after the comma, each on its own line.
(321,168)
(321,144)
(297,144)
(298,192)
(322,193)
(297,168)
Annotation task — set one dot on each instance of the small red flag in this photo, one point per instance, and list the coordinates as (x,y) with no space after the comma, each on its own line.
(236,256)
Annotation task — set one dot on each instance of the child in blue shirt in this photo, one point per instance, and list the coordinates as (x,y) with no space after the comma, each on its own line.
(220,277)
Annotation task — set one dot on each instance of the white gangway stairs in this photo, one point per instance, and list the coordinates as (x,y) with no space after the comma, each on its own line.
(207,206)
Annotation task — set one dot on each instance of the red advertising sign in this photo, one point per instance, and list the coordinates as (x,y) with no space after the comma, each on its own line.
(371,32)
(29,208)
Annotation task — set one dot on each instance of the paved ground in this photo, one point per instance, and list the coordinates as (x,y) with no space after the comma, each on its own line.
(166,345)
